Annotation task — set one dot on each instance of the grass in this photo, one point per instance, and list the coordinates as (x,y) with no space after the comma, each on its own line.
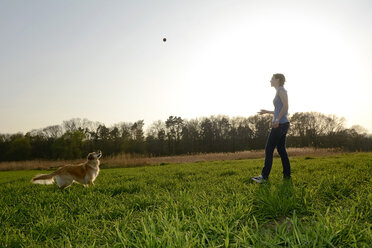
(204,204)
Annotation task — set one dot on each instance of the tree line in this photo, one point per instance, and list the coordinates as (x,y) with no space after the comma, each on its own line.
(77,137)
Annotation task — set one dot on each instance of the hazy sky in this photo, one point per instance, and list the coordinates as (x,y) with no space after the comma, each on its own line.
(106,61)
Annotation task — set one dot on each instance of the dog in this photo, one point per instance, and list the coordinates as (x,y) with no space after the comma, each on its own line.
(84,173)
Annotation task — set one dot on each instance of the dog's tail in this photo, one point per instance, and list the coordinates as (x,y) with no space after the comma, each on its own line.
(44,178)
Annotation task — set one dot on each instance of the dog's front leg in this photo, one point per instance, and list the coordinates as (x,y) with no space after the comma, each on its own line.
(89,183)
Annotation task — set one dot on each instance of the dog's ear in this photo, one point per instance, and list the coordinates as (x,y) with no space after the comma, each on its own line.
(90,156)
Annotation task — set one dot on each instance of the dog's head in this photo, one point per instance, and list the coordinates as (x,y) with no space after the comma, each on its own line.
(94,155)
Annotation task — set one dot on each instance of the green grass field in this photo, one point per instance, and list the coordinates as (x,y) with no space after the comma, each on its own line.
(206,204)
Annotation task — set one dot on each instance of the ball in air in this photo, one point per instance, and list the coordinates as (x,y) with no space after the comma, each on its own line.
(164,39)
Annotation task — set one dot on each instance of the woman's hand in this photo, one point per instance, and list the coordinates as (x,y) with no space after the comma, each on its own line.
(276,124)
(264,111)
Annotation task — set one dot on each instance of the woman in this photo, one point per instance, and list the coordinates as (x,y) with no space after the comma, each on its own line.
(279,131)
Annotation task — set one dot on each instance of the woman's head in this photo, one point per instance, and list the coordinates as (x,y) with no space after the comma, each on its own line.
(277,80)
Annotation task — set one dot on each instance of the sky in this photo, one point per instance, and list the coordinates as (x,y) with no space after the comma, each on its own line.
(106,60)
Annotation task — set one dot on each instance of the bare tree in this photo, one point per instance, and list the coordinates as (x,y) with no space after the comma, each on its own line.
(53,132)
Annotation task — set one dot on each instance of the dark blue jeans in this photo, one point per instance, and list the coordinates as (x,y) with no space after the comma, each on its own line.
(277,139)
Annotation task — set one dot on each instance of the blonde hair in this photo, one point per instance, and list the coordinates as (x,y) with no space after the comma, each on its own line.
(281,78)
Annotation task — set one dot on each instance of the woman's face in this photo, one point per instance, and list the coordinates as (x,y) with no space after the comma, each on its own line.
(274,82)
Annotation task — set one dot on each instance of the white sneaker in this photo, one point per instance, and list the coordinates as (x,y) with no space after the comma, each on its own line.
(259,179)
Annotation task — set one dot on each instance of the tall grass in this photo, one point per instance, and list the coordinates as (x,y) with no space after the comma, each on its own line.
(204,204)
(133,160)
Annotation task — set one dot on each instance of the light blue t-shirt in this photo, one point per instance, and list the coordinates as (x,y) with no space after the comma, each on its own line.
(279,105)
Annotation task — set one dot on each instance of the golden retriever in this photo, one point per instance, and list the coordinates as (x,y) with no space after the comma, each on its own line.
(84,173)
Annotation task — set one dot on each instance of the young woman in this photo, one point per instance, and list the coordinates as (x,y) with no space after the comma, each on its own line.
(279,131)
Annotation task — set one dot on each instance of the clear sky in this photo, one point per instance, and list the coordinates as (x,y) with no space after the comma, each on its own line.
(106,61)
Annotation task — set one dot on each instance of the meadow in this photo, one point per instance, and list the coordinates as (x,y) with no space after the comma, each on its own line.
(199,204)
